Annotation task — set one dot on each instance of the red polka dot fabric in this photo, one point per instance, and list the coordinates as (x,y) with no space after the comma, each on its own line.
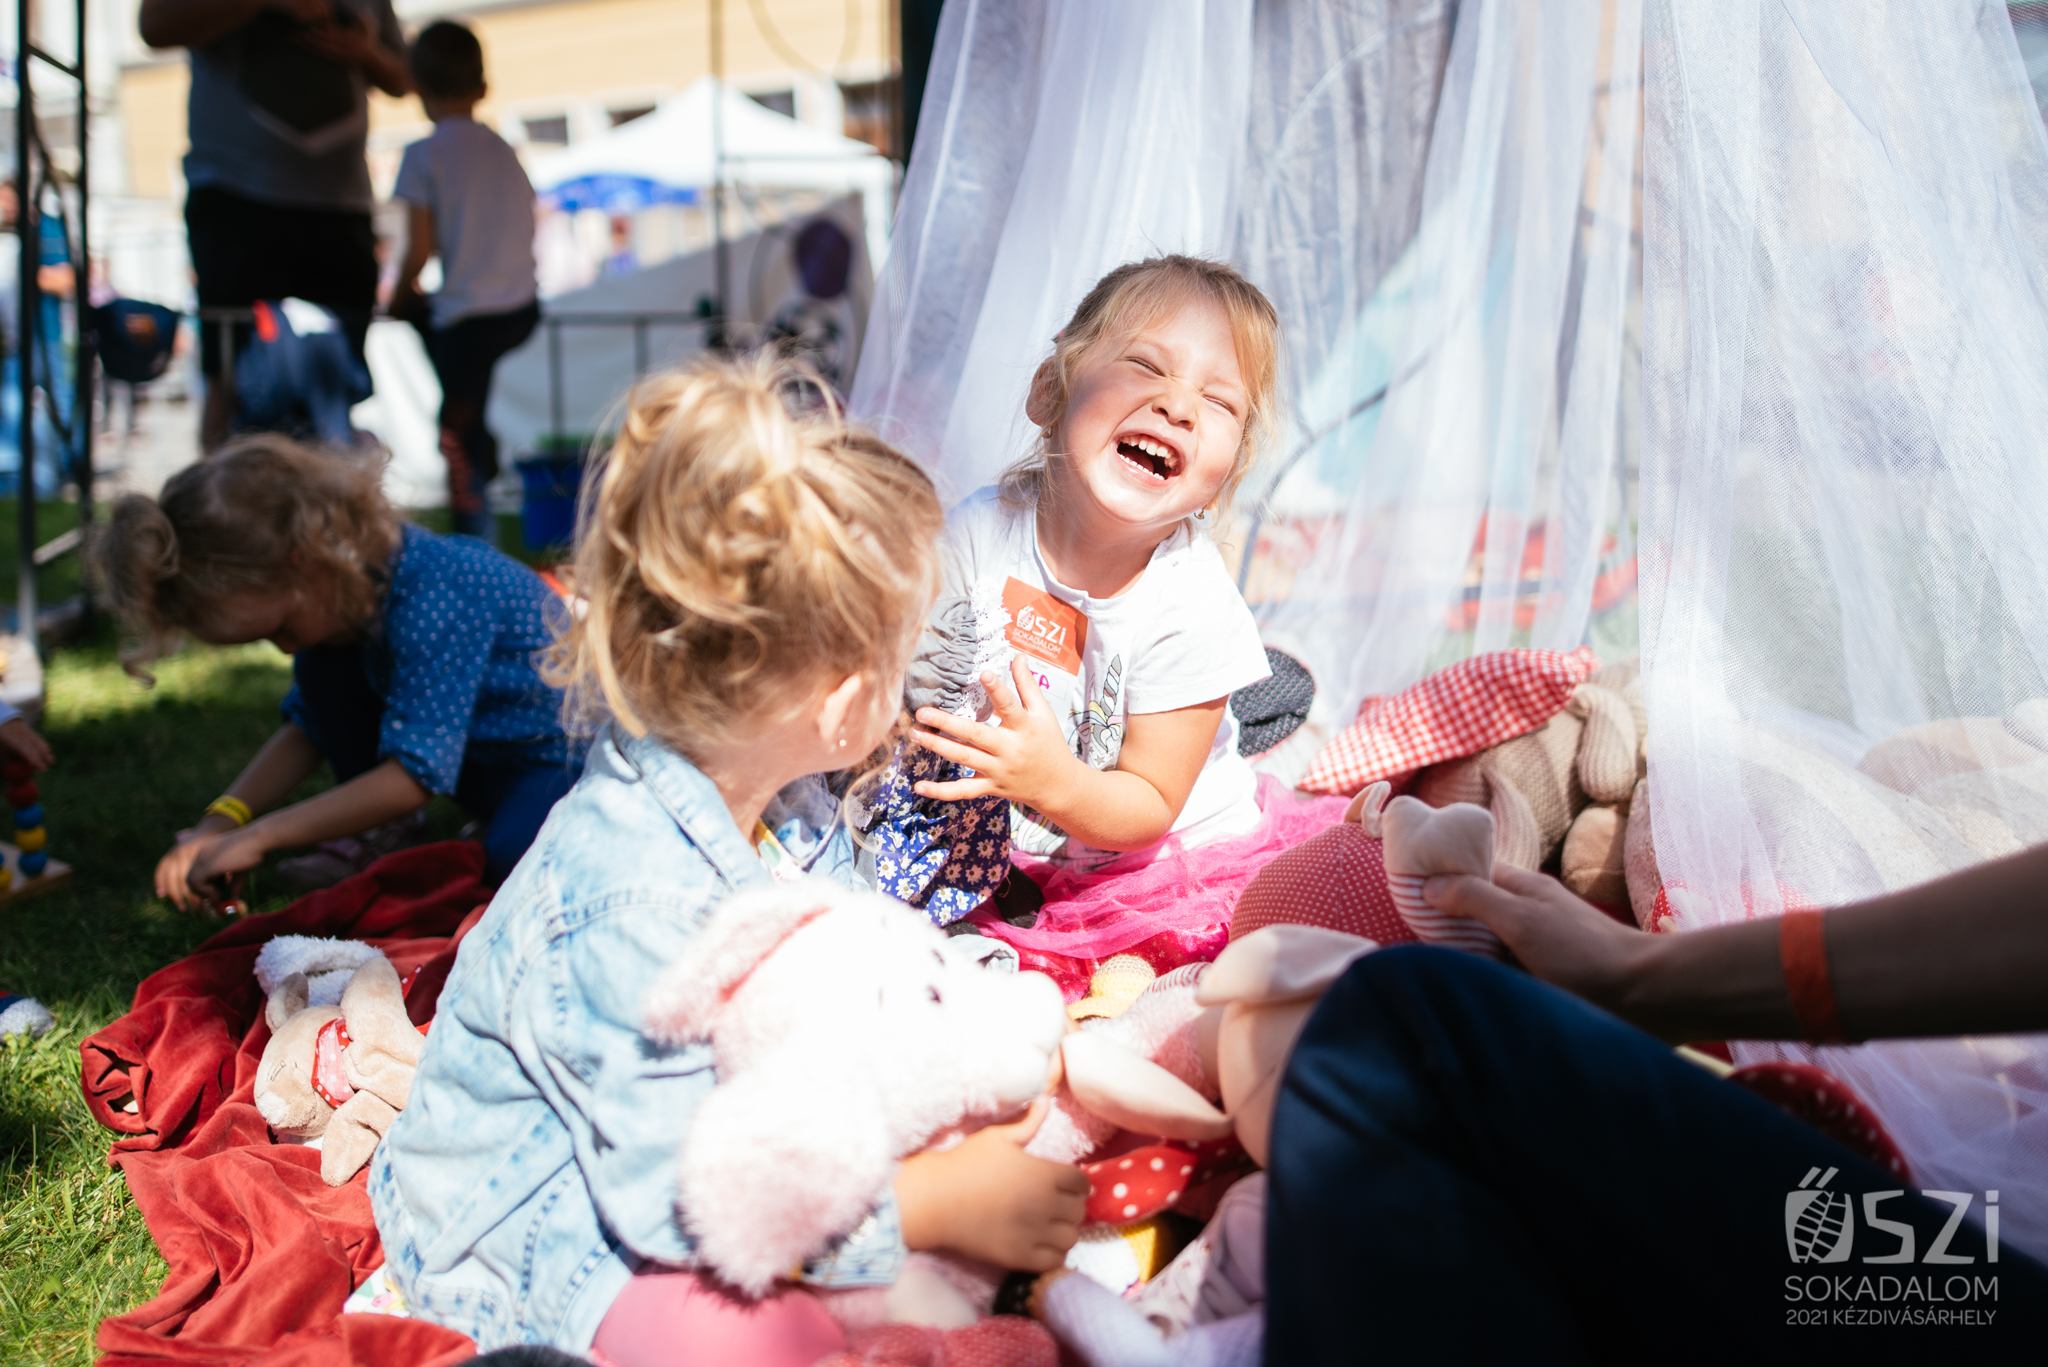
(1472,706)
(1336,880)
(1138,1184)
(1826,1102)
(1001,1341)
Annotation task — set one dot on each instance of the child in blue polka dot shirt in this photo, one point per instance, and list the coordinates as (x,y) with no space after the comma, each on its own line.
(413,658)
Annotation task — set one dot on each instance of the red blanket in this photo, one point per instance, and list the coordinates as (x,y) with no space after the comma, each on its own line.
(262,1252)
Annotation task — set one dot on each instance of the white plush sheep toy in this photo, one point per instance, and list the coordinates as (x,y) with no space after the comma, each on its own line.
(844,1038)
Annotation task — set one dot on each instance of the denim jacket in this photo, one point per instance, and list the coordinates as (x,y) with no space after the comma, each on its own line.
(533,1169)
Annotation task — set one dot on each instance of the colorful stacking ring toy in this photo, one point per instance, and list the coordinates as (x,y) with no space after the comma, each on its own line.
(29,836)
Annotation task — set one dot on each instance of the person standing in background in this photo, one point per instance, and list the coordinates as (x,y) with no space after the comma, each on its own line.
(278,202)
(468,202)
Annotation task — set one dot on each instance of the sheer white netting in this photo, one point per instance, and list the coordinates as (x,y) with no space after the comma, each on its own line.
(1460,482)
(1056,141)
(1839,411)
(1845,500)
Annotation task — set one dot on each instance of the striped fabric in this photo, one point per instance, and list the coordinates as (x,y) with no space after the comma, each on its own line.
(1435,927)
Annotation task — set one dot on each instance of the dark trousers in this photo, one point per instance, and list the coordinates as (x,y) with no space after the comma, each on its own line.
(465,353)
(1470,1166)
(503,785)
(244,250)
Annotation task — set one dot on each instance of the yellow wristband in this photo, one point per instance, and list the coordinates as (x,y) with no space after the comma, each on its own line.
(233,808)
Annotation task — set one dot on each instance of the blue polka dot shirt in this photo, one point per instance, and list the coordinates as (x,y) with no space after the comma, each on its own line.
(454,658)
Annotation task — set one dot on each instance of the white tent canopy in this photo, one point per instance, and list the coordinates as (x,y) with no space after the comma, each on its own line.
(710,133)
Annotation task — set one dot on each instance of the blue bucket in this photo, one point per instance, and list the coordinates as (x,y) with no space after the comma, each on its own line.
(547,512)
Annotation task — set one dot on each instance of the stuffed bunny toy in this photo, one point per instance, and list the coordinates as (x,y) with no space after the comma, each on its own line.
(845,1038)
(1249,1007)
(338,1074)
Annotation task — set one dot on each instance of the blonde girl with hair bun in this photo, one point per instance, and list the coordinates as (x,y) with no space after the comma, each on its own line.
(757,573)
(412,661)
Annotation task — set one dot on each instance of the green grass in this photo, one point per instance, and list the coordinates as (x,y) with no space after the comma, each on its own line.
(133,766)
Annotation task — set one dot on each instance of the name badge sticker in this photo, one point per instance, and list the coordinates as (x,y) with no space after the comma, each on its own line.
(1043,627)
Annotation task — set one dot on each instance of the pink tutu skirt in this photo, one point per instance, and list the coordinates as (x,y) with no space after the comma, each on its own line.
(1172,909)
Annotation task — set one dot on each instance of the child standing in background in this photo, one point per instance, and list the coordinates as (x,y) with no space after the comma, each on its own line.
(469,203)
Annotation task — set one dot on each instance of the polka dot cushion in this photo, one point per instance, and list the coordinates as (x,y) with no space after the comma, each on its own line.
(1826,1102)
(1336,880)
(1133,1185)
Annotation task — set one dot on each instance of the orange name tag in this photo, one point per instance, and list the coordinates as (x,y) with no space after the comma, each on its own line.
(1043,627)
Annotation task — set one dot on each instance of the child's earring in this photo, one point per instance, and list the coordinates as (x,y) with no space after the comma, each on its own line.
(1201,514)
(842,742)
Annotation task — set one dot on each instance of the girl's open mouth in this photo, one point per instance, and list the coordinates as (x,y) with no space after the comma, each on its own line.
(1153,458)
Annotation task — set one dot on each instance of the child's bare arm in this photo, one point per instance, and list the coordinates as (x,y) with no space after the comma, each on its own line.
(17,735)
(216,846)
(987,1198)
(383,794)
(419,249)
(1026,759)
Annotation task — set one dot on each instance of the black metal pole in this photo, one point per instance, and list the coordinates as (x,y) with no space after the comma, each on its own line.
(25,223)
(83,382)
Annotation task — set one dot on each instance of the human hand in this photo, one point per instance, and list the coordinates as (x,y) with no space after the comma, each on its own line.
(986,1198)
(202,855)
(1025,759)
(341,42)
(1555,935)
(18,736)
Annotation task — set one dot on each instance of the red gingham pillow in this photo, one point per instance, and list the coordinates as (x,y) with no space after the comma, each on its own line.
(1471,706)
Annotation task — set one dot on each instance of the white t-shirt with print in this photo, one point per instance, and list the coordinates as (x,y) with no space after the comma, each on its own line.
(1179,636)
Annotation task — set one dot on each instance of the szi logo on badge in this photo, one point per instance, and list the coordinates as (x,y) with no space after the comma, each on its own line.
(1043,627)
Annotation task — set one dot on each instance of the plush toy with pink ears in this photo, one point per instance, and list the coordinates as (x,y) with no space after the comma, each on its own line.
(845,1037)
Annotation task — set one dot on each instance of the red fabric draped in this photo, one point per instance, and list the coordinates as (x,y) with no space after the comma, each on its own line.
(262,1253)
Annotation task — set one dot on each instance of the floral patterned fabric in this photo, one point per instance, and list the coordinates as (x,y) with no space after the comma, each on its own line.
(945,858)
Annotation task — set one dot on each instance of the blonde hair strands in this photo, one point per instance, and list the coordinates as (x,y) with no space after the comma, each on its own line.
(734,553)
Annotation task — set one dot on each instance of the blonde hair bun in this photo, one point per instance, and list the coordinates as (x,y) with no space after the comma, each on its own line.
(737,546)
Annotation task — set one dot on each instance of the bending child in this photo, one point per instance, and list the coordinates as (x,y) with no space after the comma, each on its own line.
(412,661)
(756,581)
(1112,731)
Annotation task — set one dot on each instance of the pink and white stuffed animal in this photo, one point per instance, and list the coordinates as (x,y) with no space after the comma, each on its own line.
(845,1038)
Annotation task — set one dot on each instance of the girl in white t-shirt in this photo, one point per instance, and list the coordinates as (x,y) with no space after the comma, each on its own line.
(1112,739)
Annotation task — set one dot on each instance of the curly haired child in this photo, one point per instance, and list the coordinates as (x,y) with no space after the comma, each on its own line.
(413,659)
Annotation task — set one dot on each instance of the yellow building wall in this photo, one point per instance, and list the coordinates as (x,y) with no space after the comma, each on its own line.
(551,53)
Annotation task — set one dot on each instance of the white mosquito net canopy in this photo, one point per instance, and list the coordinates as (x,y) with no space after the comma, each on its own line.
(1722,327)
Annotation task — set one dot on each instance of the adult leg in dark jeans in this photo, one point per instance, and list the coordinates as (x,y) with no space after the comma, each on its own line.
(1471,1166)
(244,250)
(465,353)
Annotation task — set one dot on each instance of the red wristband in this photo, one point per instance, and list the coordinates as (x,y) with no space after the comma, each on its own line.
(1803,950)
